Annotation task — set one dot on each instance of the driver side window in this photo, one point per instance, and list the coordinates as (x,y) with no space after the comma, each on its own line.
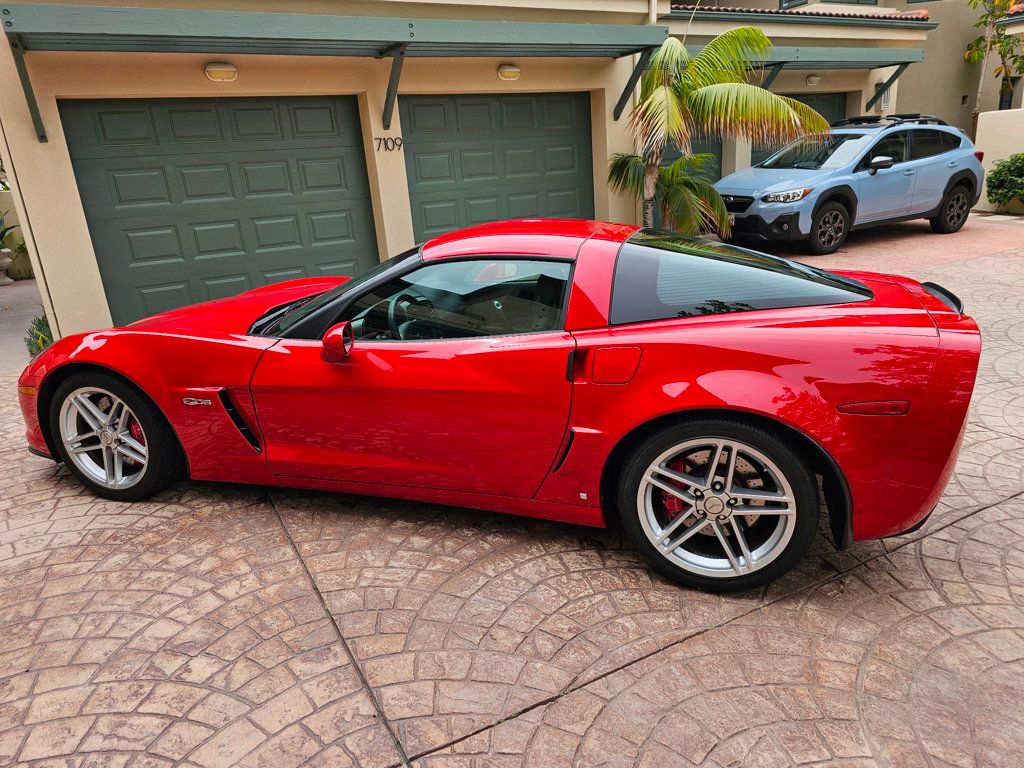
(896,146)
(462,299)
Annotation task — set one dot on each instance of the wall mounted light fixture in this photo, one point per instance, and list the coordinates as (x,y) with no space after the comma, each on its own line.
(221,71)
(509,72)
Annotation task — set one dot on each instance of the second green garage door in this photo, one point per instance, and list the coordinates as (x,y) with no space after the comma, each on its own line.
(196,199)
(473,159)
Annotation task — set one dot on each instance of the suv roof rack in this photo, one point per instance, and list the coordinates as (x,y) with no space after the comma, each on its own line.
(889,120)
(915,117)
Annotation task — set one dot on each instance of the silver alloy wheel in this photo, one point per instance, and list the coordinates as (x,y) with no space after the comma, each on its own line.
(831,229)
(956,210)
(736,509)
(103,438)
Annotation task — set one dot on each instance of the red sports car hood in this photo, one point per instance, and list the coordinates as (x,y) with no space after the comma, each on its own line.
(236,313)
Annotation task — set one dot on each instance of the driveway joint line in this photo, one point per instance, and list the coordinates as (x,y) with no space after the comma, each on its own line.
(573,688)
(404,759)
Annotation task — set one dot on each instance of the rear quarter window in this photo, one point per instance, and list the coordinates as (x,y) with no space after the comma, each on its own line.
(660,276)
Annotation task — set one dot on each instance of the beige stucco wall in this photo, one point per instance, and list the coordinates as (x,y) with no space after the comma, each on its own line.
(47,195)
(939,87)
(999,136)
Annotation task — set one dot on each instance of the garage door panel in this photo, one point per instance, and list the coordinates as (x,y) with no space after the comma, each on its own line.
(233,194)
(132,127)
(473,159)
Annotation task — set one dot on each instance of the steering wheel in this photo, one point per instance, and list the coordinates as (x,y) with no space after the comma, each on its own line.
(398,311)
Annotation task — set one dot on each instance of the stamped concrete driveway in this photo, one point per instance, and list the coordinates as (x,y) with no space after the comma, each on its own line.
(221,625)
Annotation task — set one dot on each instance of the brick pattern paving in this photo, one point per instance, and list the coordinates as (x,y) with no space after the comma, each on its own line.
(219,625)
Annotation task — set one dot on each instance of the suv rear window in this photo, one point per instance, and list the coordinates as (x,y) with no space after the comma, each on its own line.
(660,276)
(928,143)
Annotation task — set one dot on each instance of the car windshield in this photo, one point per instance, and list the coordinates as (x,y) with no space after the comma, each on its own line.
(280,320)
(819,151)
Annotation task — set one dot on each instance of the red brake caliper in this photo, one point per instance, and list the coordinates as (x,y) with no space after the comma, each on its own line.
(135,429)
(673,504)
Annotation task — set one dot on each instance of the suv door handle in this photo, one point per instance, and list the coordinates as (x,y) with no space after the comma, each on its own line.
(953,164)
(908,173)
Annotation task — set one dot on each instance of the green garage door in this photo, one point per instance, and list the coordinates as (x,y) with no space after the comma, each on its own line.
(189,200)
(831,106)
(473,159)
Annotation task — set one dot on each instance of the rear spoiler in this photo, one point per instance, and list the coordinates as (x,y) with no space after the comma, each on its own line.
(946,296)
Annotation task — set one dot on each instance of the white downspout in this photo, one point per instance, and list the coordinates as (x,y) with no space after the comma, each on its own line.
(652,11)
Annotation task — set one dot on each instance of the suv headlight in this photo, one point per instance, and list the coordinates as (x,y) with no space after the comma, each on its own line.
(789,196)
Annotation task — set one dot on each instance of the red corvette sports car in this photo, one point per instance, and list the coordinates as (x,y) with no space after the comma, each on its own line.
(704,396)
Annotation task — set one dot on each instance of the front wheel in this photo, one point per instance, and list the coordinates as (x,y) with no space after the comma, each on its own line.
(829,228)
(112,437)
(718,505)
(953,211)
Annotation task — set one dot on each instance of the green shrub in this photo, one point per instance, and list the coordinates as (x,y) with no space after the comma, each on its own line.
(1006,180)
(21,267)
(38,336)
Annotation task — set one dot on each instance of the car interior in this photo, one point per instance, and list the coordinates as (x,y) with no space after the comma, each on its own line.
(462,300)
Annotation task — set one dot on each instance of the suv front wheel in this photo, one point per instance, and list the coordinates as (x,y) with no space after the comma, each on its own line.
(829,228)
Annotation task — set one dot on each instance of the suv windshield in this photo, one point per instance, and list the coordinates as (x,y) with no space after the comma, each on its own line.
(278,321)
(819,151)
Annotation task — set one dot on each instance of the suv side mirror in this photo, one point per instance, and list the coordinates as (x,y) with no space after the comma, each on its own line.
(338,342)
(880,163)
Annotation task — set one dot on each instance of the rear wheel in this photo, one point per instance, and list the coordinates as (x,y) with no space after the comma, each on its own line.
(829,228)
(953,211)
(718,505)
(112,437)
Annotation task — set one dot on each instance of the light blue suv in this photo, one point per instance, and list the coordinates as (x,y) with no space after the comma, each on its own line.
(866,171)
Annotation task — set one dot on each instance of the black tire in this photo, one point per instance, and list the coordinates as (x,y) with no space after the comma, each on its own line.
(789,461)
(953,212)
(165,462)
(830,227)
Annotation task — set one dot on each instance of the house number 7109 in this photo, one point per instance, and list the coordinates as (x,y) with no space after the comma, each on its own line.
(388,144)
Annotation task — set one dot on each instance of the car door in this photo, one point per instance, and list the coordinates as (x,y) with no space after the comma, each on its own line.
(934,164)
(457,380)
(889,192)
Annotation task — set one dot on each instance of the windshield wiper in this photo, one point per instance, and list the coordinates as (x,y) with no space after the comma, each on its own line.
(271,316)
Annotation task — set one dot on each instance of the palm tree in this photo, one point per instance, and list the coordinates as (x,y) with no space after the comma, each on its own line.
(684,96)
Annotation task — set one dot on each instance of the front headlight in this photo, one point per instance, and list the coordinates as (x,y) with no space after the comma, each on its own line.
(789,196)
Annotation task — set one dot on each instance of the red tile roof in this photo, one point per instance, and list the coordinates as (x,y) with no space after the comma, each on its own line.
(918,15)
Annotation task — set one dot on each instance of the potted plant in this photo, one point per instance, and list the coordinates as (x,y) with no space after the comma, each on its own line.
(6,256)
(1005,184)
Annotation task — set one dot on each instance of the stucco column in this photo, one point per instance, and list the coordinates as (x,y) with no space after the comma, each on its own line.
(735,155)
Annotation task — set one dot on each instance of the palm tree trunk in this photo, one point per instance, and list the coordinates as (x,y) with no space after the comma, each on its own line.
(650,187)
(981,81)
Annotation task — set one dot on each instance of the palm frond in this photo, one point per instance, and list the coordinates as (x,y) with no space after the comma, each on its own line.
(689,204)
(698,164)
(659,118)
(810,119)
(743,110)
(729,57)
(666,66)
(626,174)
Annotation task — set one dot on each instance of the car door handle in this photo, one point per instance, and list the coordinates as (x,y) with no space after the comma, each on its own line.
(953,164)
(908,173)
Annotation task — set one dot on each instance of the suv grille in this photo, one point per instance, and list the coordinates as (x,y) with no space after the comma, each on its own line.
(737,203)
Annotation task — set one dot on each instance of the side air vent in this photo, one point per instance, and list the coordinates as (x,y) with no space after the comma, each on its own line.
(565,451)
(236,417)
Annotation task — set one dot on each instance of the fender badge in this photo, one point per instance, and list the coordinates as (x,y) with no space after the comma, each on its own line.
(195,401)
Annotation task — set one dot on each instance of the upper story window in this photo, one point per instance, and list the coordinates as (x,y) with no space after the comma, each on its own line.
(661,276)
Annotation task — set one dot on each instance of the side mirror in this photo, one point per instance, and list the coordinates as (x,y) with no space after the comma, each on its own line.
(880,163)
(338,342)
